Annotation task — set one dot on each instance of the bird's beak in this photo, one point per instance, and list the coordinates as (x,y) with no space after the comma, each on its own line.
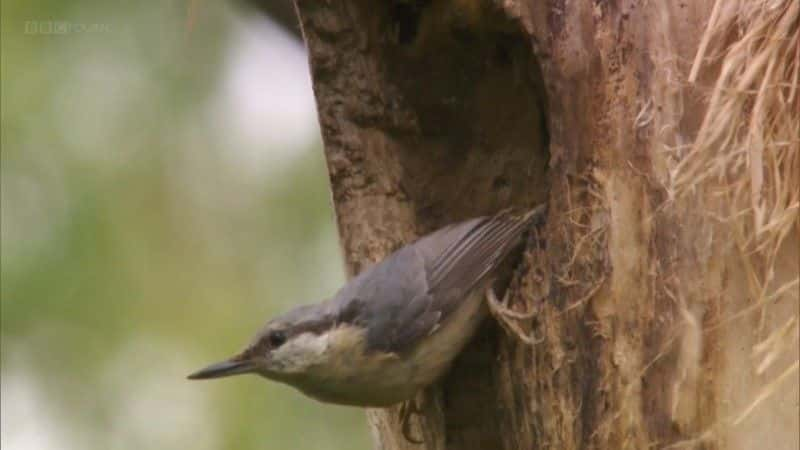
(233,366)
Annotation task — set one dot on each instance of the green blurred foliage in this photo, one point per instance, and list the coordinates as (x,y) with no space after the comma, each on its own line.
(134,251)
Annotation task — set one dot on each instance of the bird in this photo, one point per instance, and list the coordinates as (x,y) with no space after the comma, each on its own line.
(395,328)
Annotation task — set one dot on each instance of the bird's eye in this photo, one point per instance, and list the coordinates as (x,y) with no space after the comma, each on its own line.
(276,338)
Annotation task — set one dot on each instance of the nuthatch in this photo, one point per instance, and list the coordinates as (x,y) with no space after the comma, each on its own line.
(393,329)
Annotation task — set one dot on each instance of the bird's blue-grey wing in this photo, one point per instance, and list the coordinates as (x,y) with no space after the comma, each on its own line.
(384,298)
(418,286)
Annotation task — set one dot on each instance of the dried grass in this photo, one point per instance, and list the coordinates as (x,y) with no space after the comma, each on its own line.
(746,157)
(747,150)
(748,144)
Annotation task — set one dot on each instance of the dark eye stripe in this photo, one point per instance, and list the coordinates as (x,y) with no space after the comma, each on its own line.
(277,338)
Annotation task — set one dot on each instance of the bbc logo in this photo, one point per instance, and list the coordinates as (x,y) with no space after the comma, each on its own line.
(60,27)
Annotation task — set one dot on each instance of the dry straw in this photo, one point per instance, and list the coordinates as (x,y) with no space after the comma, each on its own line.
(746,156)
(747,146)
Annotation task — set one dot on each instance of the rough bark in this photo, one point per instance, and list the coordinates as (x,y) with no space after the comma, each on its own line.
(435,111)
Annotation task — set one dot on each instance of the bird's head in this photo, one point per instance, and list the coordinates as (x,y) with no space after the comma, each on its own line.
(288,347)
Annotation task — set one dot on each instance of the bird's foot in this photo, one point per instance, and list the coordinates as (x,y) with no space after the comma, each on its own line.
(408,409)
(508,317)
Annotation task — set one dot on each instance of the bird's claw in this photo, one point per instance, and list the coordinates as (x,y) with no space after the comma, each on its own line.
(507,316)
(407,409)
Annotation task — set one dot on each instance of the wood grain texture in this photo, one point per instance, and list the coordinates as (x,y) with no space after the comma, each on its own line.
(436,111)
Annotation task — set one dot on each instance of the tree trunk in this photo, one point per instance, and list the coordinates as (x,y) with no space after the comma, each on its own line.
(665,298)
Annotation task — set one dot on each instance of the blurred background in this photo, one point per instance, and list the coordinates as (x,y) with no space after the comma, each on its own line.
(164,192)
